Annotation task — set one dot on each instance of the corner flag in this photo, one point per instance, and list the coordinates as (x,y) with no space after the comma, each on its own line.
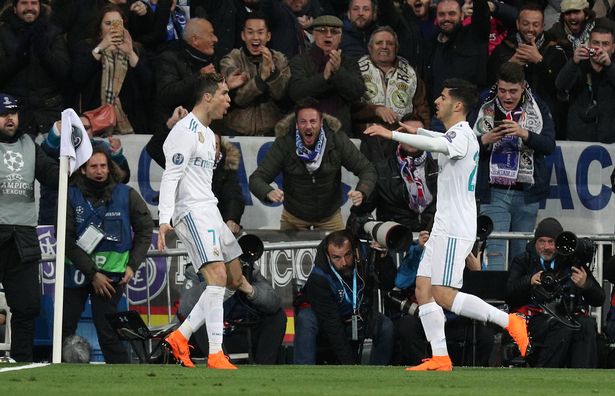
(75,150)
(74,141)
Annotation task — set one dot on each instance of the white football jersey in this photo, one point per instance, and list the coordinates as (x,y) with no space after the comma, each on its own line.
(456,206)
(190,153)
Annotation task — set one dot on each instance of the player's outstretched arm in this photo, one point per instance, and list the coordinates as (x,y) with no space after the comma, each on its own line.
(426,143)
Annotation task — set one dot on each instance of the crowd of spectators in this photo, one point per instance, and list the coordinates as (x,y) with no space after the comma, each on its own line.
(315,73)
(142,56)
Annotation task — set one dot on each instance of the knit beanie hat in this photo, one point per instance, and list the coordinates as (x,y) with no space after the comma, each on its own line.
(548,227)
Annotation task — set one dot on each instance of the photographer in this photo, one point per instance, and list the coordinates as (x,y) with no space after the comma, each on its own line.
(534,285)
(335,316)
(588,79)
(411,345)
(255,305)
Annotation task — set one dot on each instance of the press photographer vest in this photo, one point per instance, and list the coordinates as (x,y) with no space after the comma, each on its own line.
(344,305)
(112,253)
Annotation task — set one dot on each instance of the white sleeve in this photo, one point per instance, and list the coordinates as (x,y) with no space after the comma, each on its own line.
(178,149)
(436,144)
(427,132)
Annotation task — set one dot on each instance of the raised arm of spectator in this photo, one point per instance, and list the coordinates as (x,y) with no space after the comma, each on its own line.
(506,13)
(481,20)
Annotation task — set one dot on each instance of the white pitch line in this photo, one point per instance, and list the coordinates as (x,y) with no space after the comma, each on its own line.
(28,366)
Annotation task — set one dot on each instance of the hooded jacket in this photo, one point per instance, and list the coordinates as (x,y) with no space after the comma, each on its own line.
(312,197)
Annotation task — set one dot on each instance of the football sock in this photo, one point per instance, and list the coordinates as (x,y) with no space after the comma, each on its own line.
(473,307)
(433,319)
(214,317)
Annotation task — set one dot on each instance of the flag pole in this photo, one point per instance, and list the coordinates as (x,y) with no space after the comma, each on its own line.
(75,150)
(59,266)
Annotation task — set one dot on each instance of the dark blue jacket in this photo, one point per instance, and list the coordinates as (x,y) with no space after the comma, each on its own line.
(354,41)
(543,145)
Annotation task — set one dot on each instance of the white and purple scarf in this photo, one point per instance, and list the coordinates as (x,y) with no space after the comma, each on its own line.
(412,171)
(311,157)
(511,161)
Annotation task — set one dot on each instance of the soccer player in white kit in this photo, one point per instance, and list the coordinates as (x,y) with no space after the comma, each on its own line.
(440,272)
(186,198)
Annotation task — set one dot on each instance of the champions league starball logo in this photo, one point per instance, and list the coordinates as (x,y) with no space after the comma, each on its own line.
(76,137)
(13,161)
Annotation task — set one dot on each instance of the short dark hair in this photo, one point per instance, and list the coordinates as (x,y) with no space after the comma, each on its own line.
(338,238)
(307,103)
(511,72)
(531,6)
(256,15)
(602,30)
(413,117)
(374,5)
(463,91)
(207,83)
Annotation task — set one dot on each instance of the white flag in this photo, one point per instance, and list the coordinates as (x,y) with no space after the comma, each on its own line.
(74,141)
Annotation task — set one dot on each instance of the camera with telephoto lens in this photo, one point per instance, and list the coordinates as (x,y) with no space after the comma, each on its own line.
(389,234)
(401,301)
(552,294)
(252,248)
(580,250)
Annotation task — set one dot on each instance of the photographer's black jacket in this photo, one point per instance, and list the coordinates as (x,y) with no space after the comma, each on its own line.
(519,289)
(325,303)
(390,197)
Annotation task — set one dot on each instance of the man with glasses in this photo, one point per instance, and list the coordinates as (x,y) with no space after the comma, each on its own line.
(325,74)
(589,80)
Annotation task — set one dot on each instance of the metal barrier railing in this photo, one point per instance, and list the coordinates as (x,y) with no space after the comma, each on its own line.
(293,247)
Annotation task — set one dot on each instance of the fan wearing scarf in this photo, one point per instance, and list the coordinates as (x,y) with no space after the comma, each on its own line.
(406,188)
(309,152)
(575,24)
(516,132)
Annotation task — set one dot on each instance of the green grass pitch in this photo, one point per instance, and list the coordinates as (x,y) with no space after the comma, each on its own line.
(156,380)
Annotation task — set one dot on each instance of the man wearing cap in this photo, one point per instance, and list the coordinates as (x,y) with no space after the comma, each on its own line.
(34,64)
(576,22)
(23,162)
(326,74)
(555,344)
